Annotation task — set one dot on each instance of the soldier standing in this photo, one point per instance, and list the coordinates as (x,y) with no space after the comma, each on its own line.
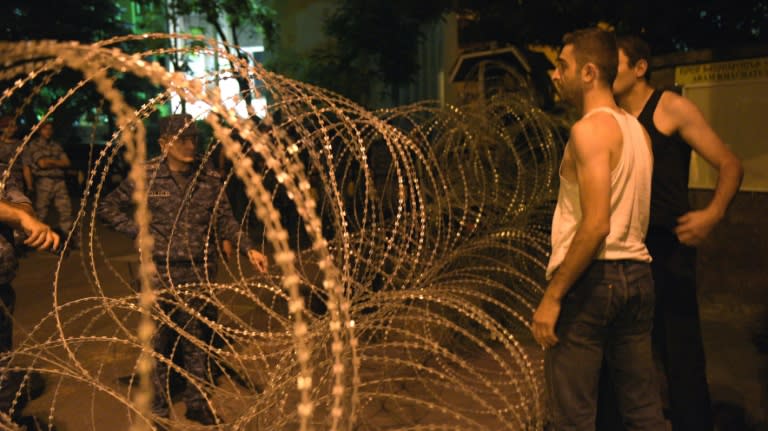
(44,163)
(185,198)
(16,213)
(8,146)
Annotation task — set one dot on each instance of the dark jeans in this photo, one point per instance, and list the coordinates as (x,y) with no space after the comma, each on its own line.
(676,338)
(677,332)
(607,313)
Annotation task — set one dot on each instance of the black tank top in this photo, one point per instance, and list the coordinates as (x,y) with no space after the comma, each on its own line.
(672,158)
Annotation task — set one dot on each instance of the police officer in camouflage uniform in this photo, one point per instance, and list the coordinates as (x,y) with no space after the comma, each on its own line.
(185,197)
(8,146)
(44,163)
(16,213)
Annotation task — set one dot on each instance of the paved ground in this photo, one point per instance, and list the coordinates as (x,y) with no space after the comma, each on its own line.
(737,370)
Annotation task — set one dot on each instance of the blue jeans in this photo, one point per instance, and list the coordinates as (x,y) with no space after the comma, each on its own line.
(607,313)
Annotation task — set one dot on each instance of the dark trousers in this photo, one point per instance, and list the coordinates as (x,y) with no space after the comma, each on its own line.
(7,388)
(677,332)
(53,190)
(676,339)
(180,304)
(607,313)
(7,305)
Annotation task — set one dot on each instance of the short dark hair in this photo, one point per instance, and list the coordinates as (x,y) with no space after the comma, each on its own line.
(182,124)
(635,49)
(597,46)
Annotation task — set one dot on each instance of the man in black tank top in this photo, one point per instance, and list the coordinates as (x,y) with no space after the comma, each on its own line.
(676,126)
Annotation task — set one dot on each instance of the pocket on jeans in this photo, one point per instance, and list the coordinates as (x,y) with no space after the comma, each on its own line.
(647,295)
(588,301)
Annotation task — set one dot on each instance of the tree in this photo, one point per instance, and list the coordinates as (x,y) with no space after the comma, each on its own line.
(81,20)
(253,15)
(92,20)
(238,14)
(379,38)
(668,26)
(371,42)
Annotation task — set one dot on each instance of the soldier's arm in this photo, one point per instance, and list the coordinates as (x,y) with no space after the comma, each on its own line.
(20,216)
(16,211)
(27,176)
(14,189)
(59,162)
(230,231)
(23,206)
(63,162)
(10,214)
(116,210)
(228,228)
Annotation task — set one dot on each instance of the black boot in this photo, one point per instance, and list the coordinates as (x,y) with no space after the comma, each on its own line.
(28,386)
(34,423)
(201,414)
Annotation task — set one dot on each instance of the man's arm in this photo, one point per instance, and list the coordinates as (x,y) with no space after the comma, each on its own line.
(62,162)
(11,214)
(58,159)
(20,216)
(590,145)
(229,231)
(27,177)
(694,226)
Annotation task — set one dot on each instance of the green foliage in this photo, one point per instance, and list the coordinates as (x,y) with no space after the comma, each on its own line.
(324,68)
(238,14)
(91,20)
(373,42)
(383,35)
(81,20)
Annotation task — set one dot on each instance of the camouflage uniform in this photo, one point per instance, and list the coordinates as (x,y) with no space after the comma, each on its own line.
(7,151)
(8,266)
(182,211)
(49,183)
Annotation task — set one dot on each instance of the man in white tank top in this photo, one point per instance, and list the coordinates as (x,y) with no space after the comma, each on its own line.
(599,300)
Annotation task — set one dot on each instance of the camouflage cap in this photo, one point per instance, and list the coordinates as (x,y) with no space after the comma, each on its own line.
(172,124)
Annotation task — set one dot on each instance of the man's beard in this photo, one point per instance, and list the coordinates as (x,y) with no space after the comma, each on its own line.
(571,95)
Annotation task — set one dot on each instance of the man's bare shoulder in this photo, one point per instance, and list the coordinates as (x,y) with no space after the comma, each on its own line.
(599,130)
(677,110)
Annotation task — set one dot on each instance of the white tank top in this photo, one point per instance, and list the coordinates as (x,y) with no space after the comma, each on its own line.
(630,201)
